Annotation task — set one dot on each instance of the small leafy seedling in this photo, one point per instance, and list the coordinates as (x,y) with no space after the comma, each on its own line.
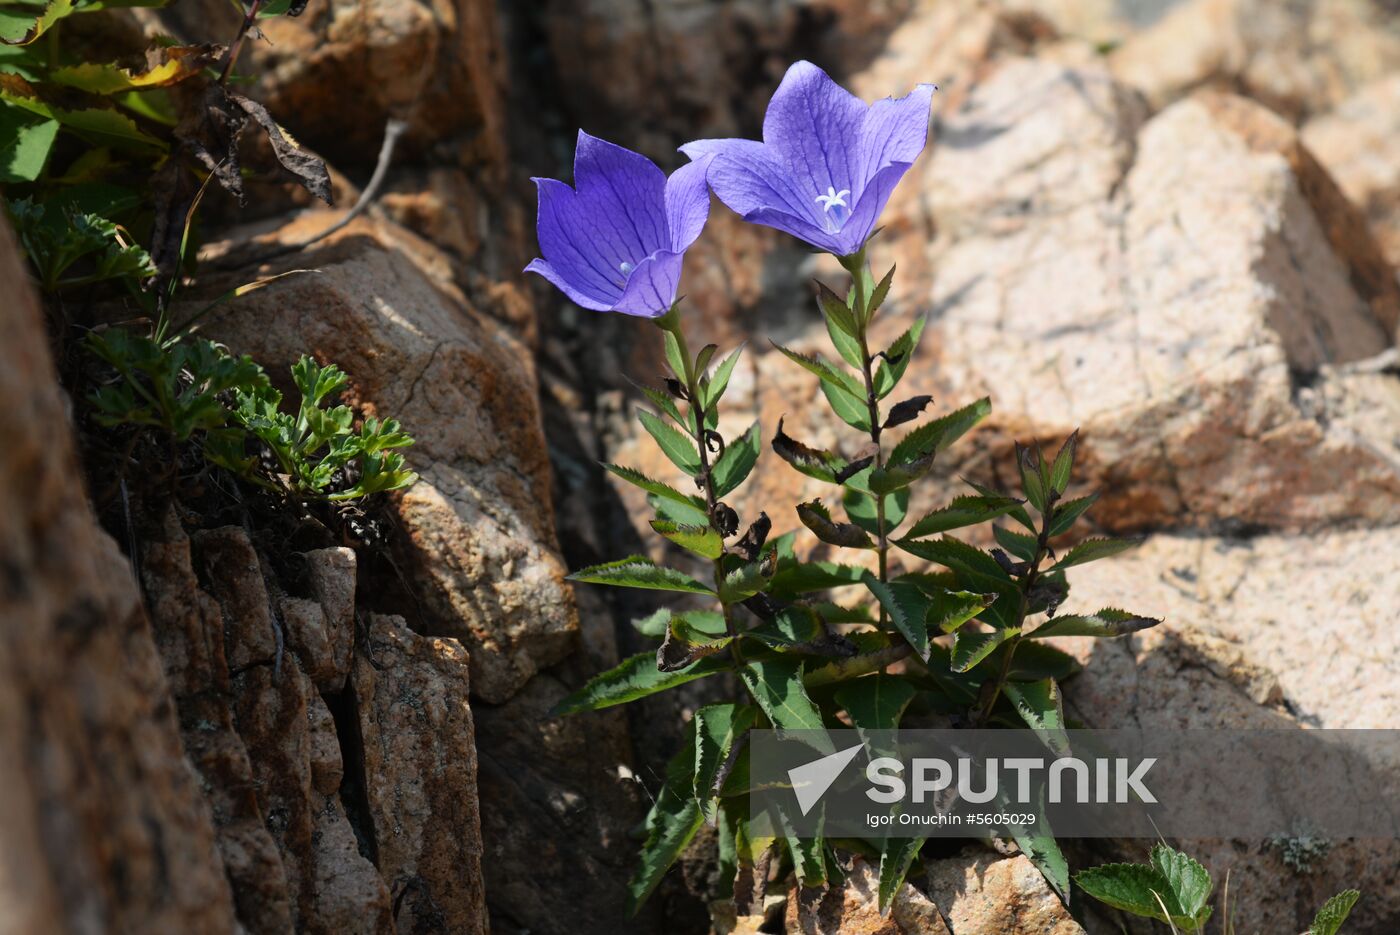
(317,451)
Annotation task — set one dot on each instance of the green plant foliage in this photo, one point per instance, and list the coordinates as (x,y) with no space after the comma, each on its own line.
(319,453)
(175,389)
(637,677)
(193,390)
(1171,888)
(1333,913)
(77,249)
(833,639)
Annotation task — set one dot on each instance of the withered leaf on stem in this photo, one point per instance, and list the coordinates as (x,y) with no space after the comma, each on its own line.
(725,519)
(676,651)
(309,170)
(906,411)
(754,537)
(846,535)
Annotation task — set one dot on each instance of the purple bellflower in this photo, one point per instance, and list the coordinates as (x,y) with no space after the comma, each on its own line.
(828,161)
(615,242)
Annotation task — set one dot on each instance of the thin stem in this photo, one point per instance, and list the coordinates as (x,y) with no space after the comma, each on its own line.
(236,46)
(860,282)
(671,323)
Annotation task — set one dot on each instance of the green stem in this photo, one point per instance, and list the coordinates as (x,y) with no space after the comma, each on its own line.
(671,322)
(861,282)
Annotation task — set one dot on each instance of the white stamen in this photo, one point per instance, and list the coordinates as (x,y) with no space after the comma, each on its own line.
(626,268)
(833,198)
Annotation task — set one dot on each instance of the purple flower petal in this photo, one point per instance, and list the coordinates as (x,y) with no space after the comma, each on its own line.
(687,203)
(748,176)
(616,241)
(894,131)
(814,125)
(651,287)
(627,192)
(827,164)
(573,244)
(800,228)
(565,285)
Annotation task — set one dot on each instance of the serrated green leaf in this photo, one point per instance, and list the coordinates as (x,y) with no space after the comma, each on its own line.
(678,447)
(702,540)
(26,140)
(1333,913)
(875,702)
(1033,476)
(818,519)
(671,824)
(838,316)
(975,570)
(675,359)
(1064,464)
(879,293)
(1041,707)
(1108,622)
(908,609)
(896,857)
(636,677)
(682,514)
(1044,851)
(854,412)
(712,388)
(888,375)
(949,610)
(738,459)
(1188,881)
(776,684)
(1091,550)
(962,511)
(938,435)
(1019,514)
(662,401)
(972,646)
(743,582)
(808,857)
(1132,888)
(1067,512)
(828,374)
(89,117)
(1018,544)
(1173,888)
(638,479)
(637,571)
(702,359)
(796,578)
(717,728)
